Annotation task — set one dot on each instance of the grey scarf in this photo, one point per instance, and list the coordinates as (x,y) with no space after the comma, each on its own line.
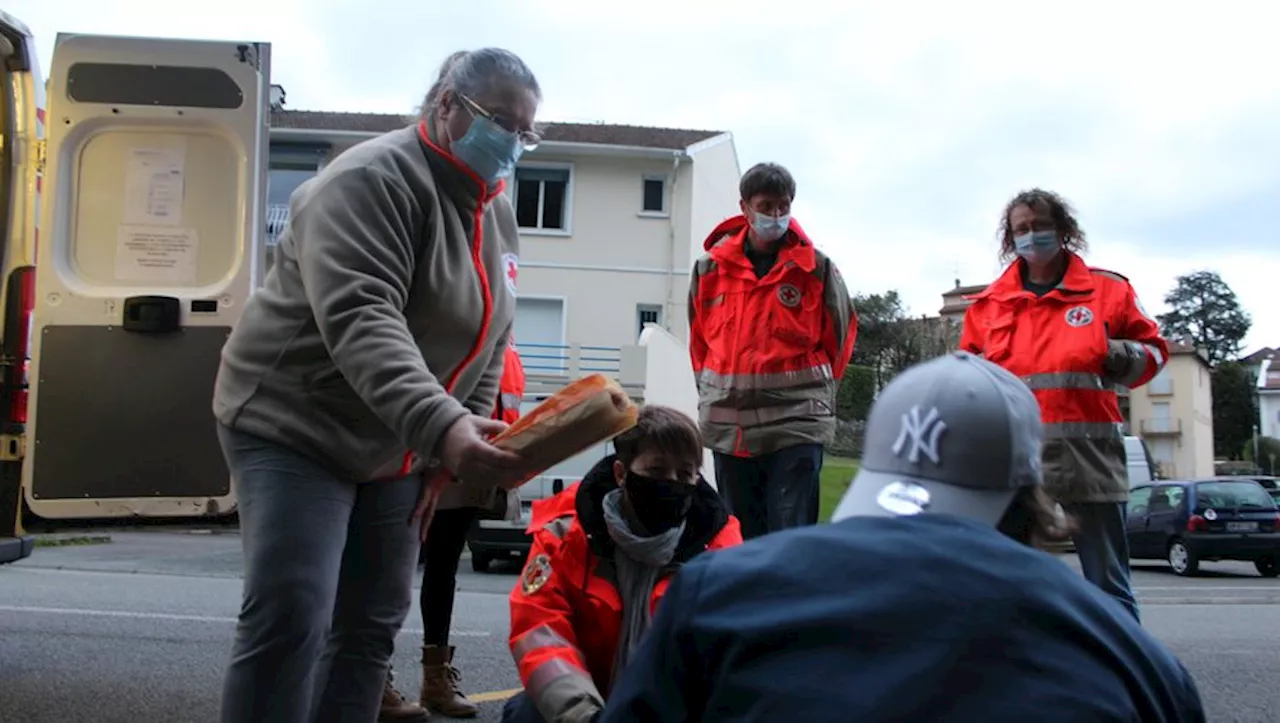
(639,561)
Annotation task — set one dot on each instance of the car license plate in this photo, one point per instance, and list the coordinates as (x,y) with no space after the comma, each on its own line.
(1242,527)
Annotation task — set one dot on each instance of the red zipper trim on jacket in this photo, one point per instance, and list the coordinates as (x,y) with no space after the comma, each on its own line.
(477,247)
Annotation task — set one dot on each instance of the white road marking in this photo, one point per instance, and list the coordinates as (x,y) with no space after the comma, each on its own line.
(176,617)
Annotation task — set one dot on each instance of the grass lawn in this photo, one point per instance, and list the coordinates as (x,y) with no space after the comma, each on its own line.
(837,473)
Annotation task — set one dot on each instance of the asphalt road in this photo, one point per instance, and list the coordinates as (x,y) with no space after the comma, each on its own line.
(138,630)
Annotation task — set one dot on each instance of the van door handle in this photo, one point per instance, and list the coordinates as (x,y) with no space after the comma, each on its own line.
(152,314)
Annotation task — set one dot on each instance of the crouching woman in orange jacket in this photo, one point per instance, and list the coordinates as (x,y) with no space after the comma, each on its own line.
(603,553)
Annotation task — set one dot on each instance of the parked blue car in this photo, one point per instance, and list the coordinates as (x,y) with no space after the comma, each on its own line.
(1186,523)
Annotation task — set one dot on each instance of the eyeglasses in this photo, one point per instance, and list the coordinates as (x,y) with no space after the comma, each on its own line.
(528,138)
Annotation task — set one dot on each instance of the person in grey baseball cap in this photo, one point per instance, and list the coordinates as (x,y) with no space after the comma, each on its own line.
(959,436)
(925,600)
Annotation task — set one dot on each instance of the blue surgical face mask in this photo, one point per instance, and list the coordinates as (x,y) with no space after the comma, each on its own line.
(488,149)
(768,228)
(1037,247)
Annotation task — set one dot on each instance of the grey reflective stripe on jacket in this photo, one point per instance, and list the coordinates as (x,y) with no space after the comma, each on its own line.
(757,414)
(1066,380)
(563,693)
(1082,461)
(560,691)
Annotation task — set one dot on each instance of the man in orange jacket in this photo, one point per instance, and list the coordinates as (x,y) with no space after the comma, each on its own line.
(771,330)
(604,551)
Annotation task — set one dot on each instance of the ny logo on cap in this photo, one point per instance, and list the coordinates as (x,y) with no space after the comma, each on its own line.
(921,434)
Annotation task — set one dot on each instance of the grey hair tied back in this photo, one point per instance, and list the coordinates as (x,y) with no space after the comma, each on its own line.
(475,72)
(432,99)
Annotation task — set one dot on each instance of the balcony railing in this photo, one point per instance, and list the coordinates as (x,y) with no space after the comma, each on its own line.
(1160,427)
(277,219)
(548,367)
(571,360)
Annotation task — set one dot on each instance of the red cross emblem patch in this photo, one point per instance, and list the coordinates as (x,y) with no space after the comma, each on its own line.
(511,269)
(1079,316)
(789,296)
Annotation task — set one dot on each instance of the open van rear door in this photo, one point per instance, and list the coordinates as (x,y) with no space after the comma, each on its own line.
(153,189)
(21,123)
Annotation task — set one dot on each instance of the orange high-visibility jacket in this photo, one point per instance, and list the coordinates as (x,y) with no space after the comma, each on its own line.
(1072,346)
(566,611)
(511,386)
(768,353)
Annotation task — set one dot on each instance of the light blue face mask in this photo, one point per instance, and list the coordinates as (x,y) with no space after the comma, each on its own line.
(769,228)
(1037,247)
(488,149)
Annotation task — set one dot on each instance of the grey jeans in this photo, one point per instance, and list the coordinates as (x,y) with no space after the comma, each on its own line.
(328,581)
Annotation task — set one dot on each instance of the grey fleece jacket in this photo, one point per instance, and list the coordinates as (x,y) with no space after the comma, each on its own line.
(385,317)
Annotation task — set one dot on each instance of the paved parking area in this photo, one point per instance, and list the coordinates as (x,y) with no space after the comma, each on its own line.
(138,629)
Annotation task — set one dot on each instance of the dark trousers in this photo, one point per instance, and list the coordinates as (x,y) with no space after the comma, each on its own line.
(445,540)
(773,491)
(328,581)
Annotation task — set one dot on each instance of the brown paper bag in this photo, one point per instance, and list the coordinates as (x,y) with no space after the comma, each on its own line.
(585,413)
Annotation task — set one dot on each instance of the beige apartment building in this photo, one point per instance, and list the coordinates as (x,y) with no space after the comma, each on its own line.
(1173,413)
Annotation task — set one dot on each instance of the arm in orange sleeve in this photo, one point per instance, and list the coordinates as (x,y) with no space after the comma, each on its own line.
(542,641)
(510,387)
(729,536)
(1135,350)
(971,337)
(840,322)
(697,342)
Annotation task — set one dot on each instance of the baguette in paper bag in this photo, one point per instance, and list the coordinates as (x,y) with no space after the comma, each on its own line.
(585,413)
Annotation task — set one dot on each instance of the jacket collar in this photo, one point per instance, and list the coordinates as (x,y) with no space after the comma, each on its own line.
(706,517)
(1077,283)
(726,244)
(458,180)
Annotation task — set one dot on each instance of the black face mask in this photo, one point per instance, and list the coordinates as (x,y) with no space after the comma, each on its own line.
(658,504)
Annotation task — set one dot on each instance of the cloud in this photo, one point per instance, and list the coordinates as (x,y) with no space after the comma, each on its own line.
(908,125)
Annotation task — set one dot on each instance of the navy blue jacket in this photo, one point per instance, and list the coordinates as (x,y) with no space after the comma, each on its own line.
(930,618)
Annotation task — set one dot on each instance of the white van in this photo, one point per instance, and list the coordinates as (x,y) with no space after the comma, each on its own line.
(1138,460)
(496,539)
(154,180)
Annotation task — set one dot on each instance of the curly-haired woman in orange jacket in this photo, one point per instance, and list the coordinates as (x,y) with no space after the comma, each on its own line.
(1073,333)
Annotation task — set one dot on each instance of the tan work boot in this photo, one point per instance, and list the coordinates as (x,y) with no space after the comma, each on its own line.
(440,680)
(395,709)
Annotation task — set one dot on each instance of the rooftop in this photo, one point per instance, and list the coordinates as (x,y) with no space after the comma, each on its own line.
(1269,376)
(589,133)
(953,301)
(1256,357)
(1179,348)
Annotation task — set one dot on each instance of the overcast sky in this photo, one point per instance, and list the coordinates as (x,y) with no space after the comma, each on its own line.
(907,128)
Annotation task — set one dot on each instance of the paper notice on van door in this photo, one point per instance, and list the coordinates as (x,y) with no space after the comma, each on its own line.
(154,186)
(157,255)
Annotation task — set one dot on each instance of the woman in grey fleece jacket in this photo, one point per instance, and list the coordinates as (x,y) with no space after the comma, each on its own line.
(371,354)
